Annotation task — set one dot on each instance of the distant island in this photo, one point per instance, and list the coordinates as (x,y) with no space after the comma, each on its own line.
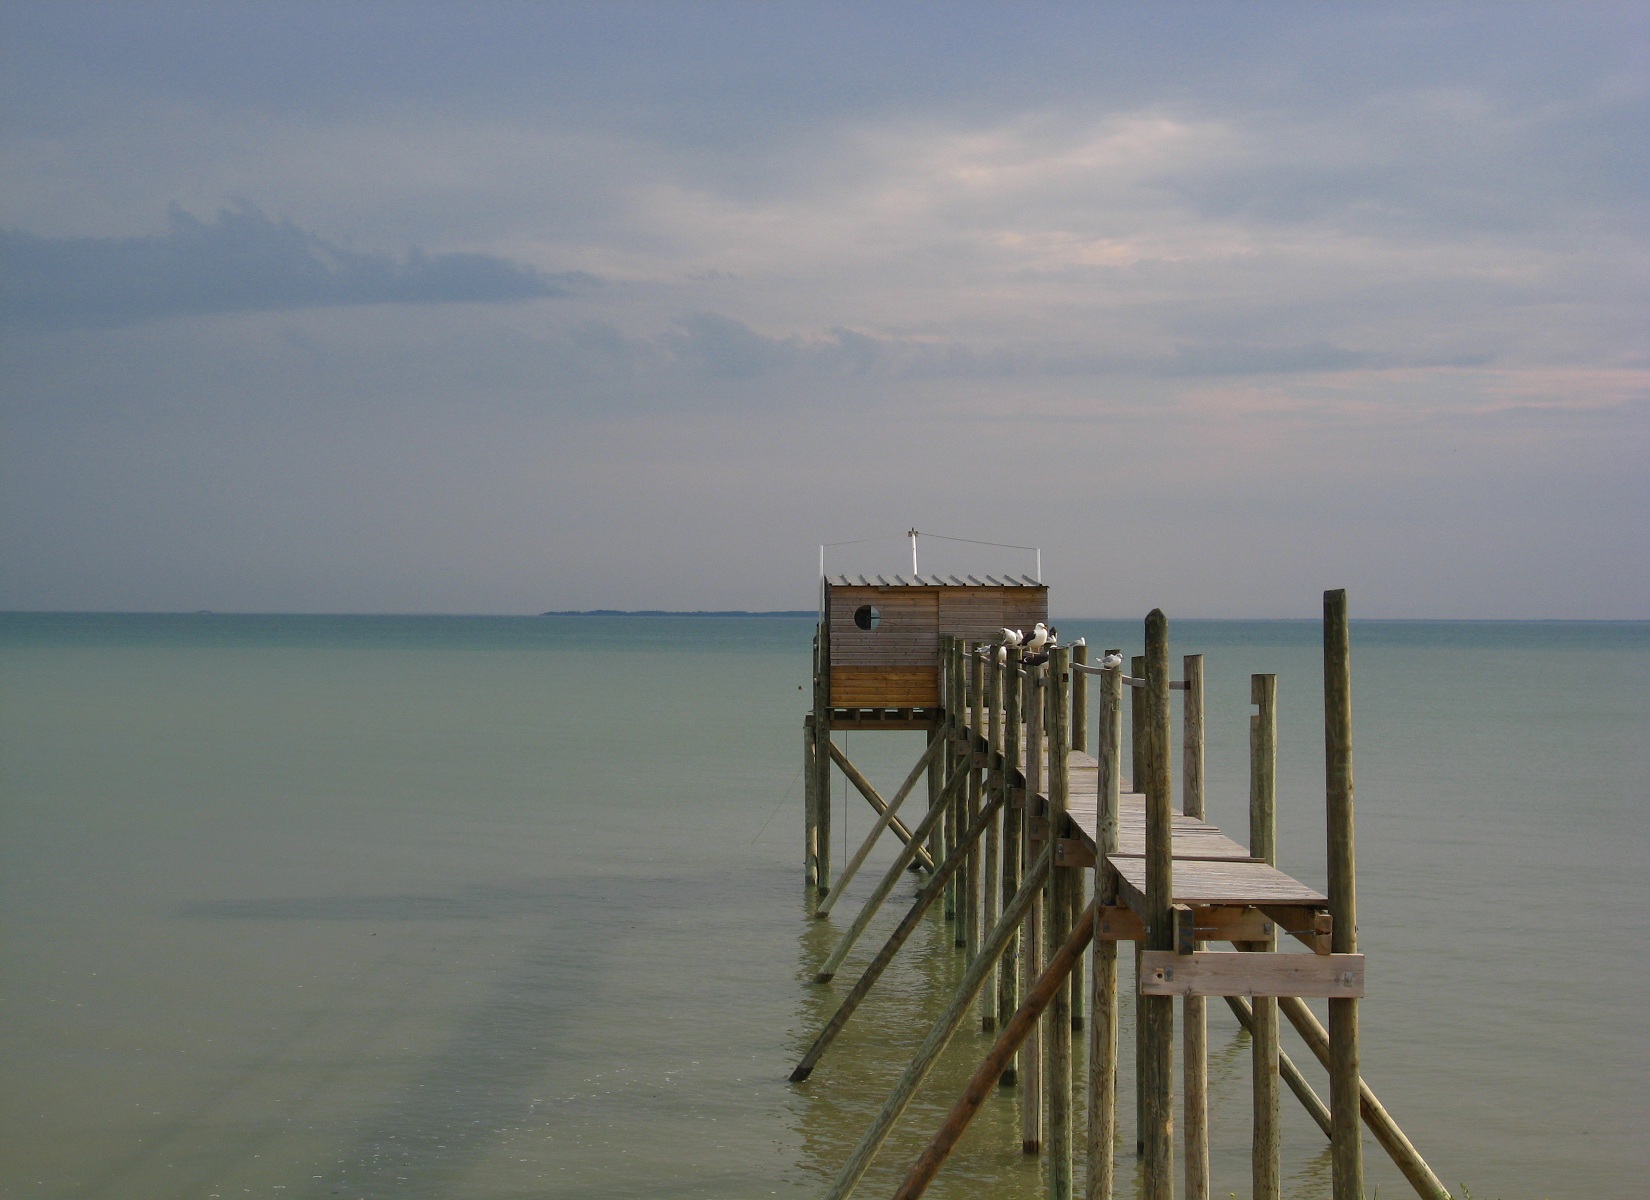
(669,612)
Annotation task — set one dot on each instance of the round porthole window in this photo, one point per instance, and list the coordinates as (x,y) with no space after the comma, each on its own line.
(866,617)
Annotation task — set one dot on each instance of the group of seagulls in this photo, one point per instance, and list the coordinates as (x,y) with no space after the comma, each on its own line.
(1037,645)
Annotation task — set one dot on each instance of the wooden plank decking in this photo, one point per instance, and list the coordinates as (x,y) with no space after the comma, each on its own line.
(1210,868)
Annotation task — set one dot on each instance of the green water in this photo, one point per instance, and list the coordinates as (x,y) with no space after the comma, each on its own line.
(428,907)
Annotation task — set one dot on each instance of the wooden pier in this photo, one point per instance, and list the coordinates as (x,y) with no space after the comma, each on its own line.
(1046,858)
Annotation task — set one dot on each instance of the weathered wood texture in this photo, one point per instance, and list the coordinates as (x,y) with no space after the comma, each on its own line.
(1194,1026)
(1346,1145)
(1223,973)
(1065,884)
(1157,1025)
(1266,1057)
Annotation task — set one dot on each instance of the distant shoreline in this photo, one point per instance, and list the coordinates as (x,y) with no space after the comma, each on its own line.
(669,612)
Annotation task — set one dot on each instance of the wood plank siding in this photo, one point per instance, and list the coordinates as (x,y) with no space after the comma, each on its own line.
(896,664)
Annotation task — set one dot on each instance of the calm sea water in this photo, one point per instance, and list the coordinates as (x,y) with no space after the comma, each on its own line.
(431,907)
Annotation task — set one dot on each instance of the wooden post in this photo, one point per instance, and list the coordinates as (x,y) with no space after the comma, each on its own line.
(1103,1010)
(1079,741)
(1137,784)
(975,671)
(1064,885)
(993,833)
(1008,971)
(822,761)
(1158,1030)
(1194,1026)
(810,805)
(1346,1145)
(1031,940)
(929,1052)
(953,702)
(1137,725)
(1266,1149)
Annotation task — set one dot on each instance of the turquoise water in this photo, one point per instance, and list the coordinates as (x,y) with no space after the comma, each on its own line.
(499,907)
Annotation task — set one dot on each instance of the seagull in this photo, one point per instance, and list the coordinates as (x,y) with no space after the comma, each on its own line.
(1039,635)
(1111,662)
(1011,637)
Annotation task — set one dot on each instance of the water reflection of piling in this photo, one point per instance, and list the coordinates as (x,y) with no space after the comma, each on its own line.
(1019,812)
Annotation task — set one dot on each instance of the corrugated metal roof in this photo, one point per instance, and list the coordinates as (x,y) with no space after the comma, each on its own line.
(933,581)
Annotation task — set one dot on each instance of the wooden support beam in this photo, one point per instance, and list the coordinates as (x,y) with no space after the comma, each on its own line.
(934,816)
(940,1036)
(863,786)
(1312,927)
(1286,1068)
(882,823)
(932,889)
(1042,993)
(973,875)
(1346,1146)
(1224,973)
(1399,1148)
(1079,742)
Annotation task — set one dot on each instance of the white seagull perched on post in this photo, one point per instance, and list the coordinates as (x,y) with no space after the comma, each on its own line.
(1011,637)
(1111,662)
(1039,635)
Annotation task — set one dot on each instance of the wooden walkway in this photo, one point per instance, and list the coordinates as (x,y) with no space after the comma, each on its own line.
(1210,869)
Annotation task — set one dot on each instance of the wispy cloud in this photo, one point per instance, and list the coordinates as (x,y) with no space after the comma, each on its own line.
(242,261)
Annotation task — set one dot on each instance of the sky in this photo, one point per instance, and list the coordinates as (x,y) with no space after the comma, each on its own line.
(503,308)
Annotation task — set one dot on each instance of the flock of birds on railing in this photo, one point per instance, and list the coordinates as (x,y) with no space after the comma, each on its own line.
(1037,645)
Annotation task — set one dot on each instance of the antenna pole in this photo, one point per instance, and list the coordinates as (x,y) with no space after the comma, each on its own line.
(912,534)
(1039,564)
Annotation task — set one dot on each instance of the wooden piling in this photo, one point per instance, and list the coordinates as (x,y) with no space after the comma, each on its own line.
(1194,1030)
(822,761)
(810,806)
(1065,885)
(1346,1144)
(1103,1007)
(1266,1147)
(1157,1032)
(992,863)
(952,701)
(972,870)
(1008,970)
(1137,784)
(1079,741)
(1031,940)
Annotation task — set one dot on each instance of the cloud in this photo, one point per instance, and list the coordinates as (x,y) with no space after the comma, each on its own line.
(242,262)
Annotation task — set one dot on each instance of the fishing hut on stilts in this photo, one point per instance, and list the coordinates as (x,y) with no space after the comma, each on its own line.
(1048,859)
